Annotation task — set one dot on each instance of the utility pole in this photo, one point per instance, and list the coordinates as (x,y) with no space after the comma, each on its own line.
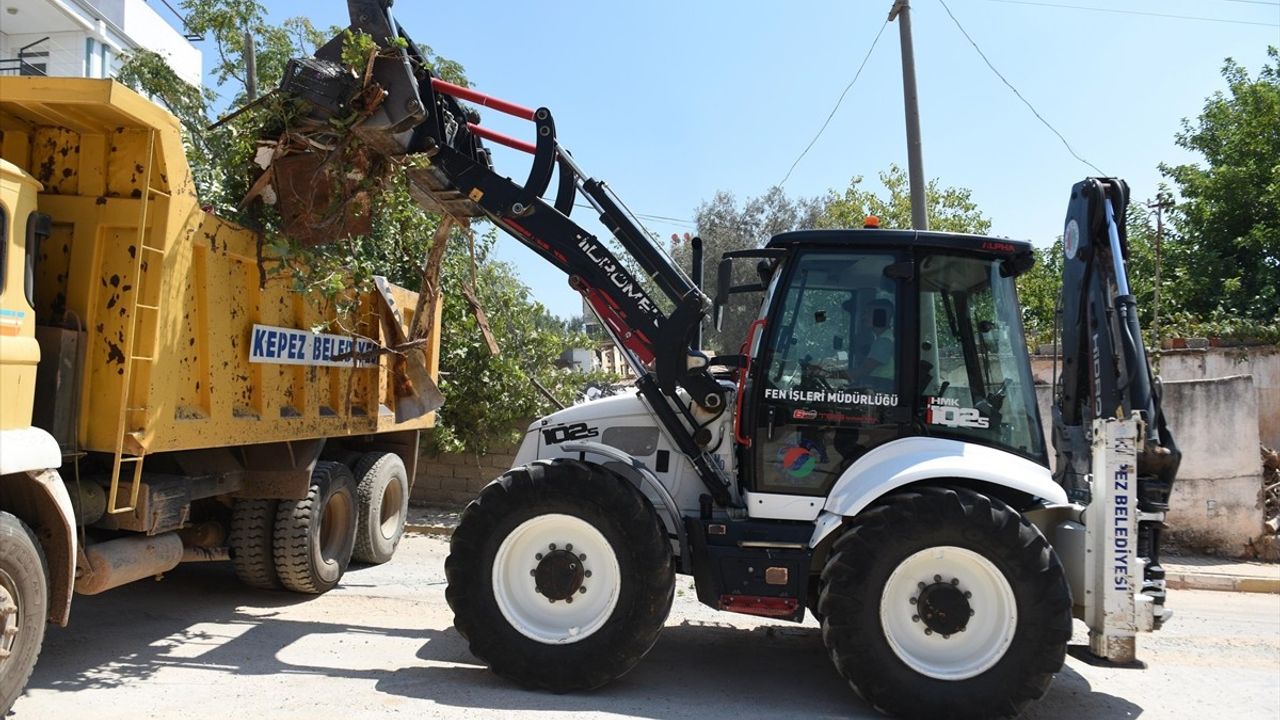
(1162,203)
(250,68)
(901,11)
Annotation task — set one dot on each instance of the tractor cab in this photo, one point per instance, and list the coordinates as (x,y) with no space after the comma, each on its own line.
(870,336)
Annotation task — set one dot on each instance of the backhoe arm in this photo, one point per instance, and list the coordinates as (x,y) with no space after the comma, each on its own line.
(1105,373)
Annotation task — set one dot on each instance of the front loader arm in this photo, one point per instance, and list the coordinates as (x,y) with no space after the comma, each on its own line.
(405,111)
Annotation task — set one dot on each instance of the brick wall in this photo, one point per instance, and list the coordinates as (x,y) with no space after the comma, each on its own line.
(454,479)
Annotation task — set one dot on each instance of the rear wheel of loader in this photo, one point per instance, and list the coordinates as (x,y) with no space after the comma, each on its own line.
(24,599)
(314,536)
(383,493)
(560,575)
(252,541)
(945,603)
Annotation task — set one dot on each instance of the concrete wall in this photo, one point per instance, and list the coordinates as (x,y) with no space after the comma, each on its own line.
(1261,361)
(1214,506)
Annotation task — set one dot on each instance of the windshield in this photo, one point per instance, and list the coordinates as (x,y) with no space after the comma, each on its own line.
(975,375)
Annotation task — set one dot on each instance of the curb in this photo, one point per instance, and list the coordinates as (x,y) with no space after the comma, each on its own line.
(1223,583)
(1174,580)
(437,530)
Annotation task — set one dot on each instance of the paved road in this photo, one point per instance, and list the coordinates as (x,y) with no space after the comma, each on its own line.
(199,646)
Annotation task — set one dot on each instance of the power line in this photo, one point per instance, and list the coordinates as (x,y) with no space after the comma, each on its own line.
(1026,102)
(837,106)
(1141,12)
(1255,2)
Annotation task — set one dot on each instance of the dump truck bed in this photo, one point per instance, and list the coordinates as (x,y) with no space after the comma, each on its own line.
(168,295)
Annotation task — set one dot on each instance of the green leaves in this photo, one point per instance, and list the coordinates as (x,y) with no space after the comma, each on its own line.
(1228,219)
(951,209)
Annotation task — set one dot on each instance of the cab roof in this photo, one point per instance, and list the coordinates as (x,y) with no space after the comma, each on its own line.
(875,237)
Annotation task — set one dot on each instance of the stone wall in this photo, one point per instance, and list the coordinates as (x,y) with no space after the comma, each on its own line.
(454,479)
(1214,506)
(1262,362)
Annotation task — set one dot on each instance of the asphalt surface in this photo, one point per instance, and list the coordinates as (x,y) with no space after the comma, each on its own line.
(198,645)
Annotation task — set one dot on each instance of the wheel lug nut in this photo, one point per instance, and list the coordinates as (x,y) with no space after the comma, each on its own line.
(583,556)
(912,601)
(568,599)
(967,594)
(569,547)
(538,556)
(553,546)
(955,581)
(915,618)
(533,573)
(971,613)
(945,636)
(582,590)
(920,585)
(588,573)
(936,578)
(927,631)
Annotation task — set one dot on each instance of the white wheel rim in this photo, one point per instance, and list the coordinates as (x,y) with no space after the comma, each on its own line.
(985,637)
(515,585)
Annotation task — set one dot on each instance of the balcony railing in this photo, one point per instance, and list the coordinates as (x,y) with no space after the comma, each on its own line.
(18,66)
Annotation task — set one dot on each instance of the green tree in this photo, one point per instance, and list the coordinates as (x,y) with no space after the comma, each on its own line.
(1225,254)
(951,209)
(725,225)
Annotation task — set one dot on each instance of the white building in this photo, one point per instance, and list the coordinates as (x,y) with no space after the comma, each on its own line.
(86,38)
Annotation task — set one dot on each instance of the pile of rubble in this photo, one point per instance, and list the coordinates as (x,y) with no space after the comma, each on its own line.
(1267,545)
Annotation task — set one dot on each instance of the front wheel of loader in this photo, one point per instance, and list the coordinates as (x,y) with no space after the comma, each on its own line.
(560,575)
(314,536)
(24,598)
(945,603)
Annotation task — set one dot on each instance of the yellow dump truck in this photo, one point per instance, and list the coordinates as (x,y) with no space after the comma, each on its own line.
(163,398)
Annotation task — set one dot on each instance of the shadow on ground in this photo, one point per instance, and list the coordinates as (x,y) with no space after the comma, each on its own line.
(201,619)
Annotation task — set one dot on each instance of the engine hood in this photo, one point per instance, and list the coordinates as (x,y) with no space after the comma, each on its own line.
(628,403)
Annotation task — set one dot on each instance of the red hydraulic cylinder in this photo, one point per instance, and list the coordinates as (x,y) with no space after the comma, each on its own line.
(481,99)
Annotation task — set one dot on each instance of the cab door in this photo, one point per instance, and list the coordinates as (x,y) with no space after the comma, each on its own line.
(828,380)
(19,351)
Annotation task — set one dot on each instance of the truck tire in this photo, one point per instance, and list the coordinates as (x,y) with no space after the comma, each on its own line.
(560,575)
(252,543)
(945,603)
(382,487)
(24,606)
(314,536)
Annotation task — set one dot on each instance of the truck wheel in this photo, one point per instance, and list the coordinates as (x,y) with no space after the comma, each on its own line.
(383,490)
(945,603)
(560,575)
(314,536)
(252,541)
(24,606)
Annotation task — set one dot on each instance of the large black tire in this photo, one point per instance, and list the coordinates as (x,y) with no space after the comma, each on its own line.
(314,536)
(858,580)
(578,493)
(252,543)
(383,491)
(24,606)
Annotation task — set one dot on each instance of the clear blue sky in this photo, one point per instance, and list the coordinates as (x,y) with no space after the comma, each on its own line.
(671,101)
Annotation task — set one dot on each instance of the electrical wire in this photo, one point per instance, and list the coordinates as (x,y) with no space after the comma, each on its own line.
(1026,102)
(1141,12)
(837,106)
